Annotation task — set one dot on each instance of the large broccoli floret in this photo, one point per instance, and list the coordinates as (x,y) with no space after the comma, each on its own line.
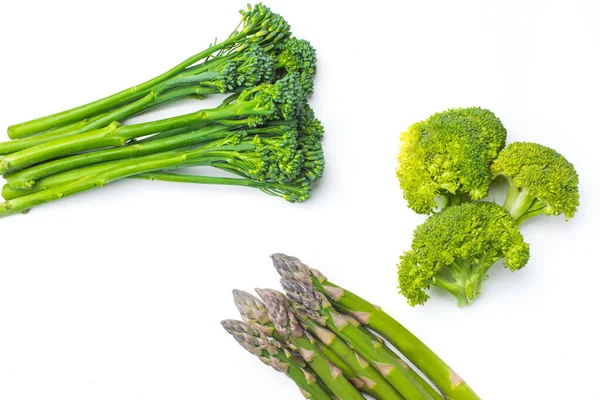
(448,156)
(454,249)
(540,181)
(297,55)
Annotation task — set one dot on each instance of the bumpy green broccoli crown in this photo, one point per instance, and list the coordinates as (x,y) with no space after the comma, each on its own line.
(297,55)
(544,173)
(250,68)
(449,154)
(468,235)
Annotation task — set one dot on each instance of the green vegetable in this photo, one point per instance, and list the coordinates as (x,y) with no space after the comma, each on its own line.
(272,353)
(317,307)
(448,156)
(446,380)
(455,248)
(259,27)
(288,327)
(254,312)
(541,181)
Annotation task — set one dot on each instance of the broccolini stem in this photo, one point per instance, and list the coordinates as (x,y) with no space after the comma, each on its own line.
(447,381)
(116,100)
(26,178)
(108,172)
(115,135)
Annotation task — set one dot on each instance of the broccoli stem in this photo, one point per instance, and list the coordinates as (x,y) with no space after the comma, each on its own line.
(117,171)
(466,282)
(26,179)
(521,204)
(115,135)
(271,188)
(116,100)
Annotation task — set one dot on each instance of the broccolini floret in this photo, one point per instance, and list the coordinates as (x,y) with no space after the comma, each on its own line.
(454,249)
(448,156)
(541,181)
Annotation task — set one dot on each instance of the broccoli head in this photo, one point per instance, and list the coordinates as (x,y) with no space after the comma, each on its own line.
(454,249)
(448,156)
(297,55)
(540,181)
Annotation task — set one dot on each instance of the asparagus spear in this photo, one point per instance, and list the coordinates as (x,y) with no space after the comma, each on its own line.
(319,308)
(447,381)
(270,352)
(288,327)
(253,312)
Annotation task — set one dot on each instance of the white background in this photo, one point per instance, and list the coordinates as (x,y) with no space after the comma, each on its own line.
(118,293)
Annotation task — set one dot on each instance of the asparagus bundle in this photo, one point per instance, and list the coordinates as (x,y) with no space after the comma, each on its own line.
(330,329)
(265,134)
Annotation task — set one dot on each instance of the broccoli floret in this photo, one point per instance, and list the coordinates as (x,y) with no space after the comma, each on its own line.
(297,55)
(454,249)
(448,156)
(540,181)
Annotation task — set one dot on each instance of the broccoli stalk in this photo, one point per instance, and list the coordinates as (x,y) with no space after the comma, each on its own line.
(281,100)
(540,181)
(448,157)
(258,27)
(455,249)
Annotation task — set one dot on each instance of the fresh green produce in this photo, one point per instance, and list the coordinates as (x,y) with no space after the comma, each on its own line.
(265,134)
(272,353)
(443,377)
(541,181)
(254,312)
(321,321)
(453,158)
(448,157)
(258,27)
(455,249)
(308,300)
(288,327)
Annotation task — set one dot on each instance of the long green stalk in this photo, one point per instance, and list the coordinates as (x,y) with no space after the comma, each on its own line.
(447,381)
(83,182)
(259,24)
(116,135)
(375,384)
(387,365)
(25,179)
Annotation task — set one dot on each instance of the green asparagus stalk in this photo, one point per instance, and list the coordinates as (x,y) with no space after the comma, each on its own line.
(451,385)
(414,374)
(259,26)
(288,327)
(270,352)
(319,308)
(253,312)
(375,384)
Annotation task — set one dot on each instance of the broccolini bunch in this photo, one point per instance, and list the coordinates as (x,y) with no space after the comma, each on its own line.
(446,166)
(264,133)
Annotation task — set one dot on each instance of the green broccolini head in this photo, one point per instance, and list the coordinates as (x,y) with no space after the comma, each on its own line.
(454,249)
(540,181)
(250,68)
(262,26)
(297,55)
(282,100)
(449,156)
